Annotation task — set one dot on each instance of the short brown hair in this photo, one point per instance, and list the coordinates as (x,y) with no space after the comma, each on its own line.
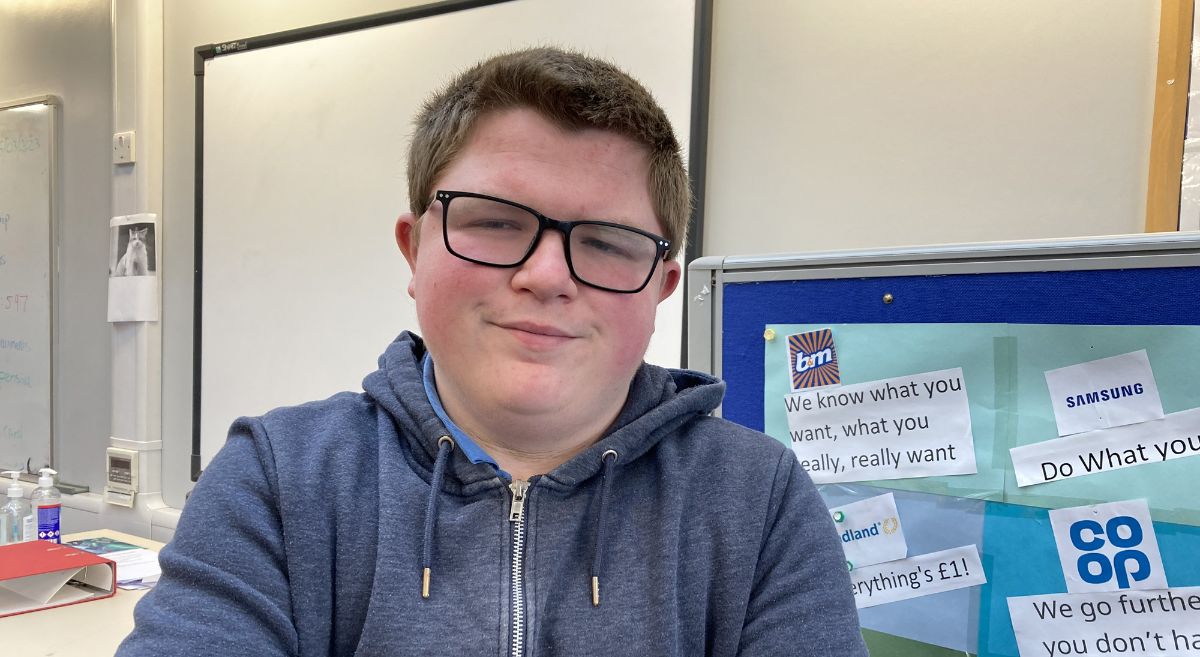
(570,89)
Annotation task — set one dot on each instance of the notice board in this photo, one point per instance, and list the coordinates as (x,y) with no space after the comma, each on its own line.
(927,384)
(27,147)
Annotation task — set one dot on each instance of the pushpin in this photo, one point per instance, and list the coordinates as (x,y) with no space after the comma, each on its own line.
(769,335)
(839,516)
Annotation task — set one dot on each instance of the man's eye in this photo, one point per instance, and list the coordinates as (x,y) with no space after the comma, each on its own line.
(606,248)
(492,225)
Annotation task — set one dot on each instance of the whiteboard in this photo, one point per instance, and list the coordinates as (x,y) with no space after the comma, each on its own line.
(300,285)
(26,330)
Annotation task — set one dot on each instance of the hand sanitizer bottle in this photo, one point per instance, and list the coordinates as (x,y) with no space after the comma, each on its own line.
(47,504)
(16,519)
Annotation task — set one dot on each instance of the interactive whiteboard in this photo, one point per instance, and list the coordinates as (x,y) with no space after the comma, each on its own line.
(300,285)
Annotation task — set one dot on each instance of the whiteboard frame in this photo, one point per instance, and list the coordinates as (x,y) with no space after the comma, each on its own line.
(697,148)
(55,105)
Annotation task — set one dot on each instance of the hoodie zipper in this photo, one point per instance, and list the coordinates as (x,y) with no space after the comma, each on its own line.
(516,516)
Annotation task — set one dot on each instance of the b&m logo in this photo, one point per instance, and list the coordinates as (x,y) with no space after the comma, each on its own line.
(813,360)
(1096,567)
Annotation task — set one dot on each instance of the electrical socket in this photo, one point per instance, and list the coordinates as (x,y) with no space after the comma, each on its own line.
(123,148)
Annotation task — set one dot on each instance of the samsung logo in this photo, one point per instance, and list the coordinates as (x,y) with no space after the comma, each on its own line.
(1107,394)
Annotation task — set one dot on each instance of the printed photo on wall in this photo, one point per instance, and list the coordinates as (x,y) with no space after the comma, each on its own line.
(133,268)
(132,251)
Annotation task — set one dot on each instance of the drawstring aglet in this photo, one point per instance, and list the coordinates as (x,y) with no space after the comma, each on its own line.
(425,584)
(595,591)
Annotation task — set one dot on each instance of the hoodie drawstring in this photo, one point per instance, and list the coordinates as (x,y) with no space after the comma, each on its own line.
(601,525)
(445,447)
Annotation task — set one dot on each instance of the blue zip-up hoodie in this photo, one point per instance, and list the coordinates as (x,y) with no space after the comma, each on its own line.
(309,532)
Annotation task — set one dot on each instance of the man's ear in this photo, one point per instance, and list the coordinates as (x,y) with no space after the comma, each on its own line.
(406,238)
(672,272)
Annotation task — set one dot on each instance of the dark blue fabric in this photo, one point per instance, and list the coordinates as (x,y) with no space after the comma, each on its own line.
(304,538)
(1102,297)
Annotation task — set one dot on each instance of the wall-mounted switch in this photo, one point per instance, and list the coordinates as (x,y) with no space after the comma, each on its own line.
(120,486)
(123,147)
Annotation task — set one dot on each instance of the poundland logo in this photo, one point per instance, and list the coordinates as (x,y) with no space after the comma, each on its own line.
(886,526)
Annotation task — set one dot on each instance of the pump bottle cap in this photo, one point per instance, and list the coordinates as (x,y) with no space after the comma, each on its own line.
(14,489)
(46,478)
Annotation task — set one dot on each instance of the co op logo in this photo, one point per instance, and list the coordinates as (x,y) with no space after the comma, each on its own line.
(1096,567)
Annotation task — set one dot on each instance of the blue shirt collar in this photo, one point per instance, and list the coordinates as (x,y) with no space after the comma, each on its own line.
(469,447)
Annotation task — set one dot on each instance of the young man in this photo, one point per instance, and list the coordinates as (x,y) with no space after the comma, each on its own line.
(519,482)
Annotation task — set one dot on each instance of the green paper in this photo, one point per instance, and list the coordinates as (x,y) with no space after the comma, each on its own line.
(1004,369)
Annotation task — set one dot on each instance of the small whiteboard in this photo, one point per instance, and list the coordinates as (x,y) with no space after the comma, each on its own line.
(27,147)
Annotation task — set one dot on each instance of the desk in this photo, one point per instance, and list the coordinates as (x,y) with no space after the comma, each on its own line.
(88,628)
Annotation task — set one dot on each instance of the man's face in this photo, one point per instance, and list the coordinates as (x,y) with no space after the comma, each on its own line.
(531,339)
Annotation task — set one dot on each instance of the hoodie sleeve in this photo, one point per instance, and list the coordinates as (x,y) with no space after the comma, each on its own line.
(801,603)
(224,587)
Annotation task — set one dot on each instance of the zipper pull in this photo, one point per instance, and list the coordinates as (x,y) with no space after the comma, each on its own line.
(518,488)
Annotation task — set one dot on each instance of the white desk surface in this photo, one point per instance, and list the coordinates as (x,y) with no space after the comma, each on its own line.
(89,628)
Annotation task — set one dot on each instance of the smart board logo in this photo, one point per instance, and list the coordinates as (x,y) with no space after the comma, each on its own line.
(813,360)
(1096,567)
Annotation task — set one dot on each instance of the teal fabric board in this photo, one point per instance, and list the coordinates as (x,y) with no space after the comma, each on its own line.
(869,352)
(931,523)
(1021,558)
(1168,487)
(1177,543)
(1004,368)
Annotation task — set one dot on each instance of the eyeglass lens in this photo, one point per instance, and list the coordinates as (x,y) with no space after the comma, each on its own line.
(500,234)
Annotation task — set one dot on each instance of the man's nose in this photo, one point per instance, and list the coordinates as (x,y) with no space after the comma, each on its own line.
(546,273)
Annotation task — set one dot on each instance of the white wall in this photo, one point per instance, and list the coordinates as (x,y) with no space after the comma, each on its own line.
(840,124)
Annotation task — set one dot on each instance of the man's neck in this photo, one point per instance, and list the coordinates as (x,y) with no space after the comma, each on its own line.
(523,464)
(525,445)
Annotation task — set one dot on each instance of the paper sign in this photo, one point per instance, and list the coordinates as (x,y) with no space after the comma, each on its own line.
(133,268)
(812,360)
(1100,394)
(917,576)
(1175,436)
(870,531)
(908,426)
(1163,622)
(1108,547)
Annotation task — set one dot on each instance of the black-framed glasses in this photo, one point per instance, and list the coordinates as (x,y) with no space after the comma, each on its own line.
(493,231)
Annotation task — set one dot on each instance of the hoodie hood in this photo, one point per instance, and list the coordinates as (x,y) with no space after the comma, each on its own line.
(660,400)
(345,529)
(658,403)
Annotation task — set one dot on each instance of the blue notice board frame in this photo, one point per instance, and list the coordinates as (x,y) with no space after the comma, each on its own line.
(1142,281)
